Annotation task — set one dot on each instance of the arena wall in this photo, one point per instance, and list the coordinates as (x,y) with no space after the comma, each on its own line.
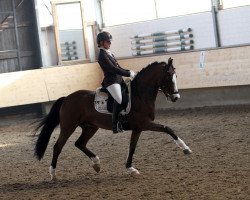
(48,84)
(210,76)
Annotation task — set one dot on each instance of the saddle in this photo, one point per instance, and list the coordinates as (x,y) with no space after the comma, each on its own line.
(104,101)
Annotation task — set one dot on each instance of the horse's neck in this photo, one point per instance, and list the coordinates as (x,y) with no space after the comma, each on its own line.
(146,89)
(147,93)
(148,83)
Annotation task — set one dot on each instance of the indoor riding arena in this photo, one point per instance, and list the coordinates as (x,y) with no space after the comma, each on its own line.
(48,50)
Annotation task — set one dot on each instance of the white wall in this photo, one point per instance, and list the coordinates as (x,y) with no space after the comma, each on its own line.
(201,24)
(234,25)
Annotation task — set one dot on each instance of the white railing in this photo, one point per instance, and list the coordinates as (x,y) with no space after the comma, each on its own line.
(159,42)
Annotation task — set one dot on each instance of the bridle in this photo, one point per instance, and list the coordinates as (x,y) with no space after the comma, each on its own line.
(168,74)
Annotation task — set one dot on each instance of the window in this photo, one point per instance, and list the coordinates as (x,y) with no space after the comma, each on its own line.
(171,8)
(127,11)
(117,12)
(234,3)
(70,32)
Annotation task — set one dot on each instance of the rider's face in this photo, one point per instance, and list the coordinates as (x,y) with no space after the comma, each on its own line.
(107,44)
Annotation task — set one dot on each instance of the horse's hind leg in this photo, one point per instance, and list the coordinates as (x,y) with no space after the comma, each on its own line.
(87,133)
(62,139)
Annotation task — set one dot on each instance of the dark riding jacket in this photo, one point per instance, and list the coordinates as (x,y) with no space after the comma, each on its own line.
(113,72)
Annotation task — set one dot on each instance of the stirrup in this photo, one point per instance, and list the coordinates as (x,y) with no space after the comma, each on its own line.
(117,128)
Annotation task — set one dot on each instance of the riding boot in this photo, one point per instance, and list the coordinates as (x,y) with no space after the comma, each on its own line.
(117,126)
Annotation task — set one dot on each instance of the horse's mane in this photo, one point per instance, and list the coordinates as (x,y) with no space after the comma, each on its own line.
(143,70)
(134,82)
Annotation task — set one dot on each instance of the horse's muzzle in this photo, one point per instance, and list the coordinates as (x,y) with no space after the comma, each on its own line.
(174,97)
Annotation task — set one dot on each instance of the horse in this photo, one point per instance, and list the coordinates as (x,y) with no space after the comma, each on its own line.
(77,110)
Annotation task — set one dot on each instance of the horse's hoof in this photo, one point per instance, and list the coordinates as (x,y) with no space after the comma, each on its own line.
(187,151)
(53,178)
(96,163)
(97,167)
(133,172)
(52,173)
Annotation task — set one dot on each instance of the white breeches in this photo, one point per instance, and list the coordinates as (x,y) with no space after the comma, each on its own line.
(115,91)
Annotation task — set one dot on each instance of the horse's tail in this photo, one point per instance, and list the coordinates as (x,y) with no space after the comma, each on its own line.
(48,124)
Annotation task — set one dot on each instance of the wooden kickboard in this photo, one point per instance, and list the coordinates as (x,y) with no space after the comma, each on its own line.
(19,88)
(62,81)
(222,67)
(47,84)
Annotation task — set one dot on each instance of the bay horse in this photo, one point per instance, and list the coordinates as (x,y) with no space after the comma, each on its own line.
(77,110)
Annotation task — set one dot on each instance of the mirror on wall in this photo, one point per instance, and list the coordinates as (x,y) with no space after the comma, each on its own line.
(70,32)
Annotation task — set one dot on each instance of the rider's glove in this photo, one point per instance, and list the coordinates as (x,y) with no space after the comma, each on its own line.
(132,74)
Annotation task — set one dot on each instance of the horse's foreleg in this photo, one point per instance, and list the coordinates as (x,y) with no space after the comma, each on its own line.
(178,141)
(133,142)
(160,128)
(87,133)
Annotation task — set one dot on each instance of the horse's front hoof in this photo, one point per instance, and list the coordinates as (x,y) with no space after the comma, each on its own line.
(132,171)
(53,178)
(97,167)
(135,173)
(187,151)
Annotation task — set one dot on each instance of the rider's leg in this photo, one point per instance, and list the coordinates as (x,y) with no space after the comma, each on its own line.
(115,91)
(117,127)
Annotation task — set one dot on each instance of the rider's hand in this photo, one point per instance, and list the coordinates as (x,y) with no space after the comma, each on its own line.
(132,74)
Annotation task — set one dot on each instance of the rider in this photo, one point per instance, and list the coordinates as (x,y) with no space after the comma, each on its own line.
(113,73)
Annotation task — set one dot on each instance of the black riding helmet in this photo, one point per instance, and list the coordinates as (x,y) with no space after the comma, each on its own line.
(103,36)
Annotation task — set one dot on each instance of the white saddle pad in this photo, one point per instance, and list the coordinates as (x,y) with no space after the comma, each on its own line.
(101,100)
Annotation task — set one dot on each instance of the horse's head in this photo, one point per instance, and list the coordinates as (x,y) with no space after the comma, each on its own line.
(168,84)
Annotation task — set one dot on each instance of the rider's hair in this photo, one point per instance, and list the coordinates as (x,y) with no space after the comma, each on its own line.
(103,36)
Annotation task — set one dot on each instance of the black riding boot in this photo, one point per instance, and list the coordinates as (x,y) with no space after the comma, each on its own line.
(117,126)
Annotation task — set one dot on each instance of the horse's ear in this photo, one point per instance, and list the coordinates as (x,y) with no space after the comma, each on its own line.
(170,61)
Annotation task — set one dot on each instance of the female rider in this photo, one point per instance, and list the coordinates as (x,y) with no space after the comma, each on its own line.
(113,73)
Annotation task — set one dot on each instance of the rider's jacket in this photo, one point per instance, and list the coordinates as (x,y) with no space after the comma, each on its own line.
(113,72)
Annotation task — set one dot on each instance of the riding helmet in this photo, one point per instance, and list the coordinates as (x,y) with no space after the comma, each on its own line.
(103,36)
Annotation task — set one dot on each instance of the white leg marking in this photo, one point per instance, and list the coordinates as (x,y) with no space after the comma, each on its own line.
(183,146)
(96,164)
(132,171)
(176,96)
(52,173)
